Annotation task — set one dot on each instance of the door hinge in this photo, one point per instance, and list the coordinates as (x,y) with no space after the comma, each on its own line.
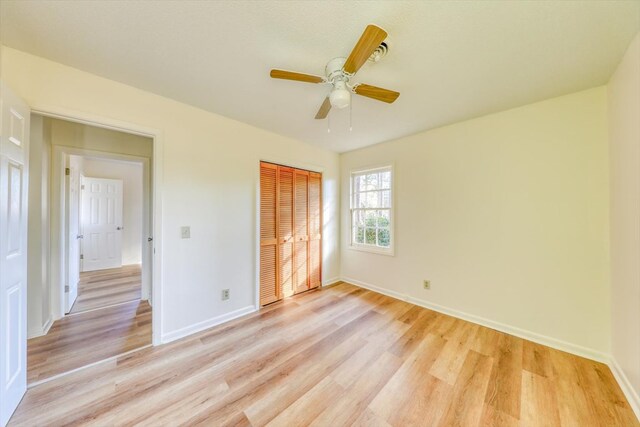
(66,288)
(81,256)
(67,171)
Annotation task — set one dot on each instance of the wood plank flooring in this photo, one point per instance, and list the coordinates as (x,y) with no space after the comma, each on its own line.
(107,287)
(84,338)
(336,357)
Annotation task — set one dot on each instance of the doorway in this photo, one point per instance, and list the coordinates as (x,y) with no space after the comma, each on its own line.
(101,248)
(108,268)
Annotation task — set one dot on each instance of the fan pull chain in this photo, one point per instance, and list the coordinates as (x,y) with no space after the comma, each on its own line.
(329,122)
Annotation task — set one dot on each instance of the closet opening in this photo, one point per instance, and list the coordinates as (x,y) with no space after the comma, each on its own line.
(290,231)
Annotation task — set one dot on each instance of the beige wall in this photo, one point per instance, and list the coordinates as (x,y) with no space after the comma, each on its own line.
(70,134)
(210,178)
(507,215)
(624,135)
(131,175)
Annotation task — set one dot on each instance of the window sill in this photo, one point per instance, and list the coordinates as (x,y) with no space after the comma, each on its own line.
(373,250)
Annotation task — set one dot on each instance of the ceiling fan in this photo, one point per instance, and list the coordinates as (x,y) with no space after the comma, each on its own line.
(339,72)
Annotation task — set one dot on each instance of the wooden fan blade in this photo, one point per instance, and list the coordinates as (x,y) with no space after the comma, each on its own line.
(369,41)
(300,77)
(384,95)
(324,109)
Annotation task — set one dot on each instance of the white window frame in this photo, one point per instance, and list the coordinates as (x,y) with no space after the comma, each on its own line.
(363,246)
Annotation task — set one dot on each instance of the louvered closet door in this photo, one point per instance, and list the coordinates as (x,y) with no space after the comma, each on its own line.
(315,230)
(301,231)
(269,289)
(285,232)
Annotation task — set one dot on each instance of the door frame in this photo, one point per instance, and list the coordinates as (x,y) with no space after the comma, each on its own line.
(68,305)
(58,154)
(152,207)
(283,161)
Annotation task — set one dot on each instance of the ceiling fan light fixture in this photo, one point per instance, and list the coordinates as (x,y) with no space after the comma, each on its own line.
(339,72)
(340,97)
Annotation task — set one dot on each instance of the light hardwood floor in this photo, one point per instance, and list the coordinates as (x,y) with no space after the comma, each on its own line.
(84,338)
(333,357)
(107,287)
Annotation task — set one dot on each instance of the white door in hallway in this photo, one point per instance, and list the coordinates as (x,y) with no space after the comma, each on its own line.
(101,219)
(14,157)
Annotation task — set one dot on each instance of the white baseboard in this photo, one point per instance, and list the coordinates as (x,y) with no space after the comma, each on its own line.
(330,282)
(625,385)
(206,324)
(44,330)
(512,330)
(47,325)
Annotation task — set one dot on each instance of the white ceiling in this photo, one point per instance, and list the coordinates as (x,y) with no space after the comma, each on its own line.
(449,60)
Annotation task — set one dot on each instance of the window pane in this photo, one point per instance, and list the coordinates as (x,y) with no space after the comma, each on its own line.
(372,182)
(385,179)
(384,237)
(383,218)
(358,218)
(372,199)
(385,199)
(358,234)
(370,218)
(370,236)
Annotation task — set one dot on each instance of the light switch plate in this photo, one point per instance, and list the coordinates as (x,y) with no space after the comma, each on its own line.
(185,232)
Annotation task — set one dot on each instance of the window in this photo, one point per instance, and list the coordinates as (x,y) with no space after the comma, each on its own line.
(371,210)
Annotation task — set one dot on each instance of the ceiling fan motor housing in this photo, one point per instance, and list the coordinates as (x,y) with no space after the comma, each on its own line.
(333,70)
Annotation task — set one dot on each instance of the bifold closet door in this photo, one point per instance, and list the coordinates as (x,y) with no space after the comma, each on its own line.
(301,231)
(290,231)
(269,289)
(285,232)
(315,230)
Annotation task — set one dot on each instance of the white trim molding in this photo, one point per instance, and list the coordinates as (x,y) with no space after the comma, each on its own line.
(625,385)
(206,324)
(330,282)
(44,330)
(511,330)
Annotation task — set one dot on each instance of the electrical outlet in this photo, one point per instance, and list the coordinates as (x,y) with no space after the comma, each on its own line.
(185,232)
(426,284)
(225,294)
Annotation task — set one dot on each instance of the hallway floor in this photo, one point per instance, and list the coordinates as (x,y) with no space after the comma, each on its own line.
(117,322)
(103,288)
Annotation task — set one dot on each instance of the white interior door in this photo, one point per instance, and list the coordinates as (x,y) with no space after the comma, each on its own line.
(14,155)
(73,227)
(101,220)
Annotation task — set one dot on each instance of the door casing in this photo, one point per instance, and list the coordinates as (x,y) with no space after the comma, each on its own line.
(152,207)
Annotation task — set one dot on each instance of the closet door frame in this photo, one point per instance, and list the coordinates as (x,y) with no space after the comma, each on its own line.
(310,168)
